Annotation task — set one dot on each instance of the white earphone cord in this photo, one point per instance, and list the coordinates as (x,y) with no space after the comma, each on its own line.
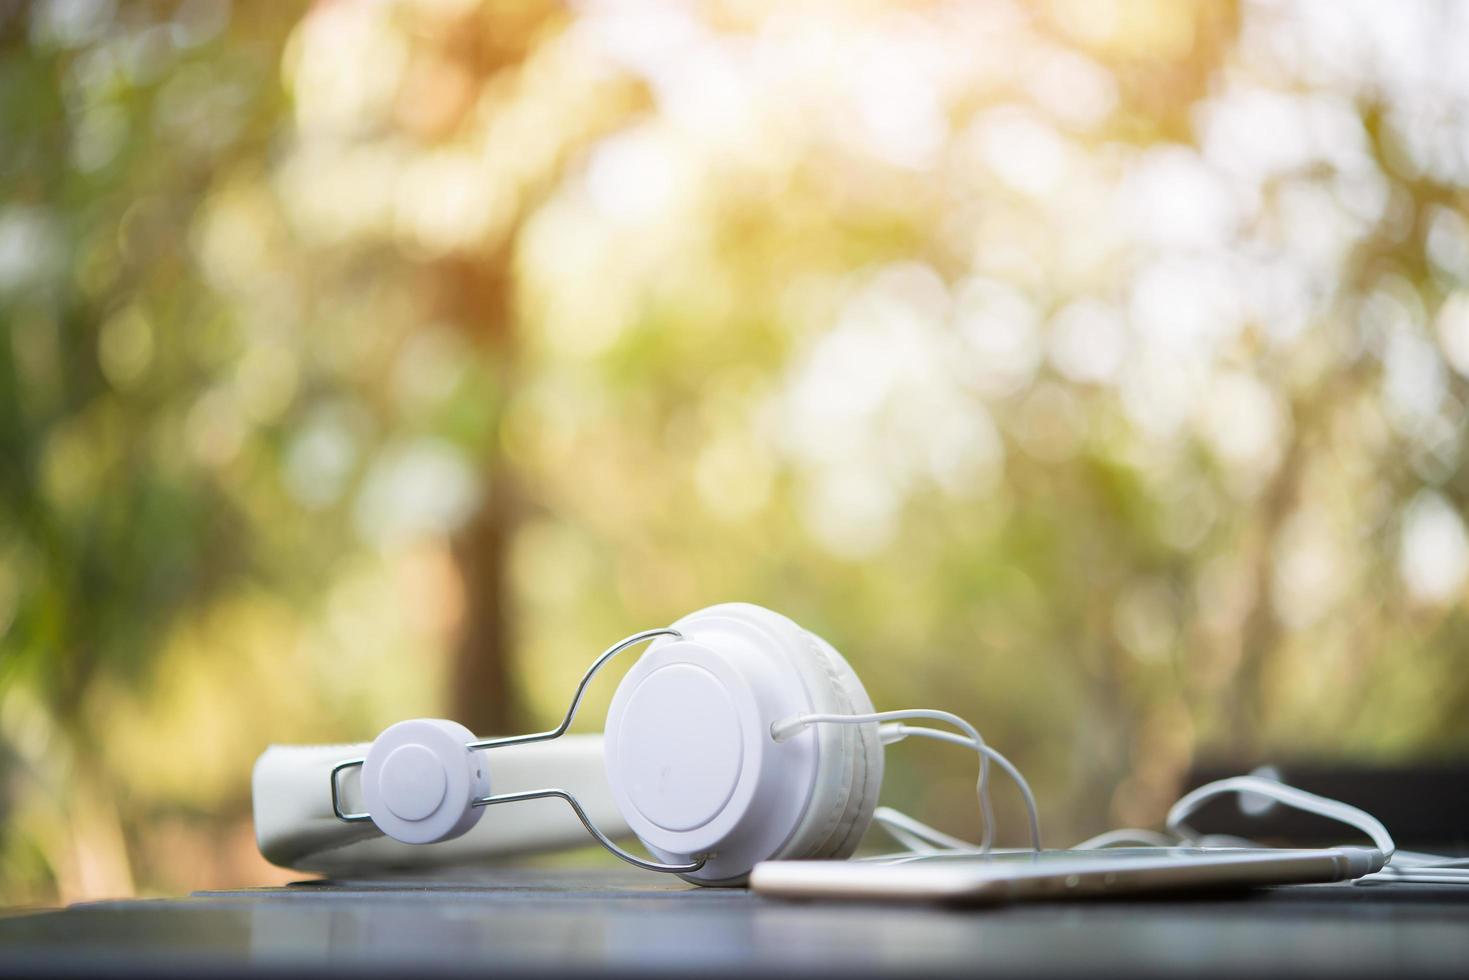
(922,840)
(971,739)
(1290,796)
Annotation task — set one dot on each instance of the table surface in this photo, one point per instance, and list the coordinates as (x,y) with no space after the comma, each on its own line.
(610,922)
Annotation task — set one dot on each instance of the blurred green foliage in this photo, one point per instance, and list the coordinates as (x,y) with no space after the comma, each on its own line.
(1093,370)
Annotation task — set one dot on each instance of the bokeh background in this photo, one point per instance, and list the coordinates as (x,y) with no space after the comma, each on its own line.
(1093,369)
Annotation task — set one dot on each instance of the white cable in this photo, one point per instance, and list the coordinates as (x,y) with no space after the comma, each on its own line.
(1411,877)
(1419,868)
(782,730)
(1126,836)
(922,840)
(1280,793)
(1405,866)
(1032,811)
(1410,859)
(916,835)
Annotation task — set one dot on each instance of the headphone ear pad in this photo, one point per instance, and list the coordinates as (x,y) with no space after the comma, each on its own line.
(849,777)
(850,768)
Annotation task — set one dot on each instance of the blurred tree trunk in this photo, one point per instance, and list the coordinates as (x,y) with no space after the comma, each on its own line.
(476,290)
(483,692)
(478,294)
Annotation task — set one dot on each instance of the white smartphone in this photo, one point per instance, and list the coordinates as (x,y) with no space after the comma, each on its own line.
(1008,876)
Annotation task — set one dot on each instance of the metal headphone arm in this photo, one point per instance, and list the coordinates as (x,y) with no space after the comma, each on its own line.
(536,794)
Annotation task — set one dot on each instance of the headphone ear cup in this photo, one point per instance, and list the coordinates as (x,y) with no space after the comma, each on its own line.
(695,769)
(850,761)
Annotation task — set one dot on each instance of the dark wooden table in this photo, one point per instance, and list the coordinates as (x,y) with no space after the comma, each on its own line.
(611,922)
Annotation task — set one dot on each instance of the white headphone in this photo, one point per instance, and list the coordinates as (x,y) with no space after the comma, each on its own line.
(711,752)
(737,737)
